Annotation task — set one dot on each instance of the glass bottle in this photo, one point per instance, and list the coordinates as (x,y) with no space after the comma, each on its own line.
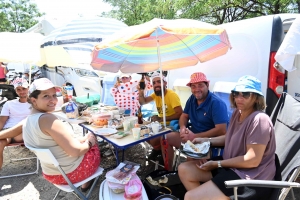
(142,82)
(140,116)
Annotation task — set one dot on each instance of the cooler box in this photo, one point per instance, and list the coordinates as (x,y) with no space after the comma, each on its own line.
(223,89)
(183,91)
(108,82)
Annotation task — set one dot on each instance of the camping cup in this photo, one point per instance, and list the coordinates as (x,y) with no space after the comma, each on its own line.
(126,125)
(155,127)
(136,133)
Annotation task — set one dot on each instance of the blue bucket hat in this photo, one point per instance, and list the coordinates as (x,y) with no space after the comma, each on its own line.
(248,84)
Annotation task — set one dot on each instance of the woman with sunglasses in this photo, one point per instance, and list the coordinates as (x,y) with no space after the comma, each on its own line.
(249,150)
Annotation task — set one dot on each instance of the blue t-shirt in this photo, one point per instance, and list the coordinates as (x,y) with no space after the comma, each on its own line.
(209,113)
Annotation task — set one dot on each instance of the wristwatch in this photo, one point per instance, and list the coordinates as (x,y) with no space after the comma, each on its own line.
(219,164)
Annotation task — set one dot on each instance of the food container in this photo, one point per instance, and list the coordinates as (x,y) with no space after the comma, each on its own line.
(85,100)
(100,119)
(95,97)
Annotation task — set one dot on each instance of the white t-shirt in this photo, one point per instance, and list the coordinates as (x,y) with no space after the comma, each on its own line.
(16,112)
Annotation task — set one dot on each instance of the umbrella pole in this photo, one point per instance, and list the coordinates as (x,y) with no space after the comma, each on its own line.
(164,140)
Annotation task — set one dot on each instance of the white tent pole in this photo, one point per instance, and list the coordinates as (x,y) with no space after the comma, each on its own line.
(161,79)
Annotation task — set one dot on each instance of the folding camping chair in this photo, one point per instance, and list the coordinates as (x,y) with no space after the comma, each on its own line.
(286,120)
(46,156)
(36,171)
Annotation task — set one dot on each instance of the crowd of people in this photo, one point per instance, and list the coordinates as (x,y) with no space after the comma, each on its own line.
(248,137)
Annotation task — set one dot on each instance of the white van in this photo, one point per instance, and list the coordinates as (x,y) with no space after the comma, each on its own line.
(254,45)
(83,80)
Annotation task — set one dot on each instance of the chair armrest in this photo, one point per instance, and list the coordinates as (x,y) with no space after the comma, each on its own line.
(261,183)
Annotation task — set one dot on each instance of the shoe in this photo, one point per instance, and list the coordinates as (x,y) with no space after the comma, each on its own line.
(153,155)
(88,187)
(108,153)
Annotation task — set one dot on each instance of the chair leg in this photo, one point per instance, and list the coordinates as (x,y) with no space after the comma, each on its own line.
(91,189)
(57,193)
(25,174)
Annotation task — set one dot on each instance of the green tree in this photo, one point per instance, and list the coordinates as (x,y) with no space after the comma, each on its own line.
(221,11)
(212,11)
(18,15)
(133,12)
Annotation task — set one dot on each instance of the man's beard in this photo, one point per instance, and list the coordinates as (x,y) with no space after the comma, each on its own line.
(158,92)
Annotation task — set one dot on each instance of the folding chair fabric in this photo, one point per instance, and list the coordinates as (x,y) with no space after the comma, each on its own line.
(36,171)
(46,156)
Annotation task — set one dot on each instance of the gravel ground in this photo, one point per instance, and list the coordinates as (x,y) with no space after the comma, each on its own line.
(35,187)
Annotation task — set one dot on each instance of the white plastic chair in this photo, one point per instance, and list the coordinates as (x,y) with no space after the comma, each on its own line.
(36,171)
(46,156)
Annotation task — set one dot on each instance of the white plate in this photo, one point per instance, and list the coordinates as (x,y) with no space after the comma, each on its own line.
(106,131)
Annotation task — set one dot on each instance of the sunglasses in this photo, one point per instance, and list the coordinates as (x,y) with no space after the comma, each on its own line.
(245,95)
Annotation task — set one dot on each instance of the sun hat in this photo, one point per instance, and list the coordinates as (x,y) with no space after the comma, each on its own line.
(20,82)
(196,78)
(41,84)
(248,84)
(157,74)
(125,75)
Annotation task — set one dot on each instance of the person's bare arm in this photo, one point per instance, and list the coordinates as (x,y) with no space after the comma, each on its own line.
(142,99)
(251,159)
(183,121)
(176,115)
(215,141)
(50,125)
(3,120)
(12,132)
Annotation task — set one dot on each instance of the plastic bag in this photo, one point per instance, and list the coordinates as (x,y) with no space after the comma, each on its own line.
(72,110)
(122,174)
(133,190)
(120,188)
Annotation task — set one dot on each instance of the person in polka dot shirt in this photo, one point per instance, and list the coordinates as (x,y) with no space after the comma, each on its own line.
(126,94)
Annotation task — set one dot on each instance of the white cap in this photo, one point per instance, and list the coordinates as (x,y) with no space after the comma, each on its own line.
(41,84)
(20,82)
(157,74)
(125,75)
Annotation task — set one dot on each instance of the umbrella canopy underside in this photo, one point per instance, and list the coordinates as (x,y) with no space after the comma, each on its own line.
(172,47)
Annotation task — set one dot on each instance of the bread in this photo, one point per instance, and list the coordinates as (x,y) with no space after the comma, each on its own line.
(193,146)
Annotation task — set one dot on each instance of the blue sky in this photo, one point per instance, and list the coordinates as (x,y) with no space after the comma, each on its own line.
(71,8)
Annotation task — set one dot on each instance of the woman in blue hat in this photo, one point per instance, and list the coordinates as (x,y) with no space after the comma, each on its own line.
(249,150)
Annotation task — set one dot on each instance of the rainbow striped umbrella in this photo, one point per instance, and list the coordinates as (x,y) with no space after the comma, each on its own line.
(160,44)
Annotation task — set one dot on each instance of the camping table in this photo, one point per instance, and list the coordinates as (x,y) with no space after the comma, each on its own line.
(125,142)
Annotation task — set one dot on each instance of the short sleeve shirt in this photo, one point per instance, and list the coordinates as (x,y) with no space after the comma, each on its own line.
(16,112)
(257,128)
(171,101)
(206,115)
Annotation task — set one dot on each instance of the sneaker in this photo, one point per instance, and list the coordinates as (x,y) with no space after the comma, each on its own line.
(153,155)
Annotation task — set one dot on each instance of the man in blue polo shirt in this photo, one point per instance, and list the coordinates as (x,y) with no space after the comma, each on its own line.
(205,111)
